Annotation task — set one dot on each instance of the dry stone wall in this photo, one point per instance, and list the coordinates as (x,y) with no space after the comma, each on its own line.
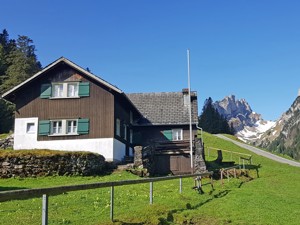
(35,164)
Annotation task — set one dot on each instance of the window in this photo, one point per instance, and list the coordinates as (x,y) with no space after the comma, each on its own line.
(65,90)
(30,128)
(173,135)
(125,131)
(118,127)
(73,90)
(177,135)
(57,90)
(72,127)
(56,127)
(64,127)
(131,136)
(131,117)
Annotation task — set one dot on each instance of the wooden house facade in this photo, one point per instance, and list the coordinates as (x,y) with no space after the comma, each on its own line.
(64,107)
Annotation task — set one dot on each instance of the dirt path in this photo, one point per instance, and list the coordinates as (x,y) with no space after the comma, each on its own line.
(261,152)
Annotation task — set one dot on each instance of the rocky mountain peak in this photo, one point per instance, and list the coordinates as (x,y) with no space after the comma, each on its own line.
(284,136)
(237,111)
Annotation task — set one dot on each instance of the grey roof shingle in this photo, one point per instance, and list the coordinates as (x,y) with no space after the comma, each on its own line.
(165,108)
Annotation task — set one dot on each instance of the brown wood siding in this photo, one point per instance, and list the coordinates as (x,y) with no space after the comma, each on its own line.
(98,107)
(172,164)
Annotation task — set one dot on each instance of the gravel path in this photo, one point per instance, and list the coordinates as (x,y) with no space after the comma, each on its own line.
(261,152)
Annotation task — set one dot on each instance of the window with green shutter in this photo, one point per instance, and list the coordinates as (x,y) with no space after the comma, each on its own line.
(168,134)
(44,127)
(45,91)
(83,126)
(84,89)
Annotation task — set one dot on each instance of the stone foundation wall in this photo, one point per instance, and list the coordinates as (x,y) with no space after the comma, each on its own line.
(7,143)
(35,164)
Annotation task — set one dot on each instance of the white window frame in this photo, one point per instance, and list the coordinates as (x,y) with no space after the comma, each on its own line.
(118,127)
(64,91)
(177,134)
(74,90)
(30,128)
(63,128)
(55,128)
(60,92)
(74,126)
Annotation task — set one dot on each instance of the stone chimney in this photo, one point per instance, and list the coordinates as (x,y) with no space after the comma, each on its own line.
(185,92)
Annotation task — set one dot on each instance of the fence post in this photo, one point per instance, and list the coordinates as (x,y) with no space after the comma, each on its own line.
(112,202)
(180,185)
(222,177)
(45,210)
(211,182)
(243,164)
(234,172)
(227,175)
(151,193)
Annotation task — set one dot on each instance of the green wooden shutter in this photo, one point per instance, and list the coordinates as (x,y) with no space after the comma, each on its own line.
(44,127)
(168,134)
(45,91)
(83,126)
(84,89)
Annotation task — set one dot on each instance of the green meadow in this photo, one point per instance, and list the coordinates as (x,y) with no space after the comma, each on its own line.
(269,195)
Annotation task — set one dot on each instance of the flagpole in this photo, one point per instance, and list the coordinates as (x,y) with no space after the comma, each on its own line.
(190,110)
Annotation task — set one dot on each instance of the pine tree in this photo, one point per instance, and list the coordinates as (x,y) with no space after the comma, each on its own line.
(211,121)
(18,62)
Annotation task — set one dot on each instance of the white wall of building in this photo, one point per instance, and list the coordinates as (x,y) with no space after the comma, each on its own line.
(25,137)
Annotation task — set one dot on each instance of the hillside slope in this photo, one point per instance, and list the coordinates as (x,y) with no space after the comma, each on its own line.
(284,136)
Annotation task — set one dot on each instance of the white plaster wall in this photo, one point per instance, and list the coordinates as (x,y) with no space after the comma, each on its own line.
(110,148)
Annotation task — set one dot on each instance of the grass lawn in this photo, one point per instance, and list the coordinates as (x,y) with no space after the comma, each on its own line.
(271,198)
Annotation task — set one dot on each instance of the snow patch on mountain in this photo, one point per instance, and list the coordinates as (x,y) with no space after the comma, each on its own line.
(252,133)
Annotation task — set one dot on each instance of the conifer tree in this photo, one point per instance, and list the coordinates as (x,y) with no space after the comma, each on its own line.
(18,62)
(211,121)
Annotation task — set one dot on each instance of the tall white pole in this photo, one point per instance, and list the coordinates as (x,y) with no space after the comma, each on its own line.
(190,110)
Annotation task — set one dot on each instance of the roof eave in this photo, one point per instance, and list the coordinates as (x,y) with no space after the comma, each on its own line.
(62,59)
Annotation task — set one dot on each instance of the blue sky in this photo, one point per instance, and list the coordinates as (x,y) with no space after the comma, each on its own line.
(249,48)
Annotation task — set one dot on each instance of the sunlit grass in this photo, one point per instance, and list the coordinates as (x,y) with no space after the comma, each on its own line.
(271,197)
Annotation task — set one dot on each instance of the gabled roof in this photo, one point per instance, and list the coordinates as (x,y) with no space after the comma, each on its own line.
(71,64)
(165,108)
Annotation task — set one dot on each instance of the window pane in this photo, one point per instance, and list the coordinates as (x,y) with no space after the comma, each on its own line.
(72,127)
(177,134)
(30,128)
(58,90)
(118,127)
(72,90)
(56,127)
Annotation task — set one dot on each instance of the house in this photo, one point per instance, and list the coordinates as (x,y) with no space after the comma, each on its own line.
(165,116)
(64,107)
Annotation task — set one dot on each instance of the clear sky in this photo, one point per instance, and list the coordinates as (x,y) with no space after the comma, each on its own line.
(249,48)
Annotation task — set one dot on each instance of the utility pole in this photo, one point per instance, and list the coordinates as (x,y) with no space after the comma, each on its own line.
(190,111)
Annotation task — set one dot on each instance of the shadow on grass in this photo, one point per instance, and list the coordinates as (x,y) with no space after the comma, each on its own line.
(170,218)
(11,188)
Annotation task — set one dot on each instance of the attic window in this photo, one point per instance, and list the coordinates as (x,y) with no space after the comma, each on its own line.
(65,90)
